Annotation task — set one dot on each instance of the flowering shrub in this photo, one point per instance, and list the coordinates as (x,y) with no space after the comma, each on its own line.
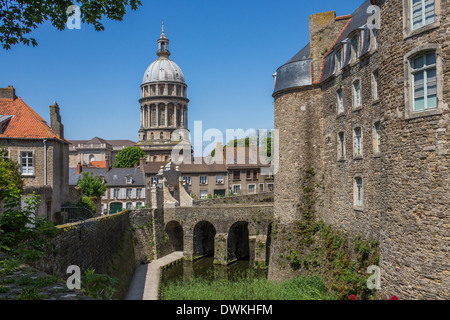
(394,298)
(352,297)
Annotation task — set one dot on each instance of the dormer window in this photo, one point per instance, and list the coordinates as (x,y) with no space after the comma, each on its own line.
(339,59)
(355,47)
(129,180)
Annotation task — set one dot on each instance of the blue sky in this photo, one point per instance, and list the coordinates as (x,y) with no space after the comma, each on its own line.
(228,51)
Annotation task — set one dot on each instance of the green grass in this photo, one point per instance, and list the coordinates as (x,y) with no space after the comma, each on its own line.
(247,288)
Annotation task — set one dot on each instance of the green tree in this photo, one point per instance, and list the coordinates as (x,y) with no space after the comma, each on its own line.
(92,186)
(10,177)
(19,17)
(22,233)
(129,157)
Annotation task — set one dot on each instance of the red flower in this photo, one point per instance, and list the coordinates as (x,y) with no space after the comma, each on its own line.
(394,298)
(352,297)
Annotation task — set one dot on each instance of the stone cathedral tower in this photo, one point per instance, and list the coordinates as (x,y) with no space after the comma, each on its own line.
(164,105)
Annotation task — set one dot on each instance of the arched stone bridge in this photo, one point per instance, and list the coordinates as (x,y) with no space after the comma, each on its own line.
(226,232)
(227,229)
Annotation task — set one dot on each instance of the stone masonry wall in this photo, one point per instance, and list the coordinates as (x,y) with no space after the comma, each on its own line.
(416,159)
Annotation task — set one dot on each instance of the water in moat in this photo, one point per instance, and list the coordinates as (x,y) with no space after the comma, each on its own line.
(206,269)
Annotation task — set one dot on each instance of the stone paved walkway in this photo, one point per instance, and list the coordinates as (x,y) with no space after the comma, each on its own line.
(22,282)
(145,283)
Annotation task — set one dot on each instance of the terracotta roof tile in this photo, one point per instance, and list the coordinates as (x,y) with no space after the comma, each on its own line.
(26,123)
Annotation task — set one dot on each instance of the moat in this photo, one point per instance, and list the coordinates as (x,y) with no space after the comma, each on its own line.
(205,270)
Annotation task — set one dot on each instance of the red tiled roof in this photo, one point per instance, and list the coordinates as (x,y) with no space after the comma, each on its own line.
(26,123)
(98,164)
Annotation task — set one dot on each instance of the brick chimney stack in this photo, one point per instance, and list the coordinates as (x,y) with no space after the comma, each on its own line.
(106,163)
(8,93)
(55,119)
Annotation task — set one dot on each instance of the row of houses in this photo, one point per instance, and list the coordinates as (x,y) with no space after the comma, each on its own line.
(51,165)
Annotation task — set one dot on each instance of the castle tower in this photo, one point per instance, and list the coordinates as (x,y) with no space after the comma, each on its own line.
(164,105)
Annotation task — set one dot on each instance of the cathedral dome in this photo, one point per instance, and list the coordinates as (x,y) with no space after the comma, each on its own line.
(163,70)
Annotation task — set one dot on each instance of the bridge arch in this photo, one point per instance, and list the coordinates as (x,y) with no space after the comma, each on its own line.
(203,239)
(238,244)
(174,231)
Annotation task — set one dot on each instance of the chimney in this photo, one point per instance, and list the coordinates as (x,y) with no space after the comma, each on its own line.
(8,93)
(324,28)
(79,168)
(55,119)
(106,163)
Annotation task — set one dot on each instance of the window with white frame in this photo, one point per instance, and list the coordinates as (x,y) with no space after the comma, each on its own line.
(375,85)
(356,94)
(339,59)
(129,205)
(357,152)
(138,205)
(422,13)
(251,188)
(116,193)
(377,138)
(237,189)
(128,193)
(424,81)
(375,38)
(358,192)
(270,186)
(187,179)
(154,180)
(340,101)
(219,179)
(129,180)
(355,47)
(138,193)
(26,163)
(203,179)
(203,194)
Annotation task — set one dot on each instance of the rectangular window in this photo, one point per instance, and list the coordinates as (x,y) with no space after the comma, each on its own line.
(341,145)
(219,179)
(255,174)
(358,191)
(154,180)
(270,186)
(339,59)
(138,193)
(424,82)
(261,187)
(358,142)
(375,38)
(356,94)
(116,193)
(376,138)
(375,85)
(251,188)
(422,13)
(203,179)
(187,180)
(355,47)
(340,101)
(237,189)
(236,175)
(203,194)
(249,174)
(138,205)
(129,205)
(128,194)
(26,163)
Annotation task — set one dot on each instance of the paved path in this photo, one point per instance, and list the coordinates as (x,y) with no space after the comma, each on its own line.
(145,283)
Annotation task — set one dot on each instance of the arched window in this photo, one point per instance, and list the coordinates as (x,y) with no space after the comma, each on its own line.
(91,158)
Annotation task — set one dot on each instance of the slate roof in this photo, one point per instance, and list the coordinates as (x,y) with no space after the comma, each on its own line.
(297,71)
(115,177)
(25,123)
